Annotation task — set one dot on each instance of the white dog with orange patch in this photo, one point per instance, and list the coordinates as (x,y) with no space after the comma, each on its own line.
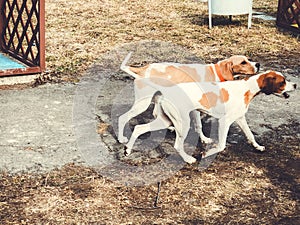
(177,73)
(226,101)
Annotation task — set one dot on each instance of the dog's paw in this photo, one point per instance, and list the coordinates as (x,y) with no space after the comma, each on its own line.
(127,151)
(206,140)
(190,159)
(211,152)
(171,128)
(123,140)
(260,148)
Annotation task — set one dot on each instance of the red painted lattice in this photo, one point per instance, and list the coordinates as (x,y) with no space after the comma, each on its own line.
(22,27)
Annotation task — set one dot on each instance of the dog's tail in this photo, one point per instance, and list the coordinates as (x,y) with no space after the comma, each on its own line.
(127,68)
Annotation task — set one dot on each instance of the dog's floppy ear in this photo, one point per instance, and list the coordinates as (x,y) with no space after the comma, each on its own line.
(268,84)
(226,69)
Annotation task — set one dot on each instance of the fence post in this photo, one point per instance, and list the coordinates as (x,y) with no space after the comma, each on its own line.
(42,35)
(2,21)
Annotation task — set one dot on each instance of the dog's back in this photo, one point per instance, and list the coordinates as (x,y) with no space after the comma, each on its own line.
(214,98)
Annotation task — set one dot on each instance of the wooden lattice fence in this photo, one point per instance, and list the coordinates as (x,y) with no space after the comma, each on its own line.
(288,15)
(22,34)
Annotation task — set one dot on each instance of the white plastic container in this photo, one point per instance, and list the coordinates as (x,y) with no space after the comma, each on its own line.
(229,8)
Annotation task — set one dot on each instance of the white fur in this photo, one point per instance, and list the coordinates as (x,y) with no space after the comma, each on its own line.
(143,96)
(176,102)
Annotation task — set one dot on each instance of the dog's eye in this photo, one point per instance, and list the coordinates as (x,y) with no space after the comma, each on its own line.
(244,62)
(282,83)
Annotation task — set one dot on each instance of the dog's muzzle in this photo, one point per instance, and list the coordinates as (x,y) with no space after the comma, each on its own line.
(286,95)
(290,87)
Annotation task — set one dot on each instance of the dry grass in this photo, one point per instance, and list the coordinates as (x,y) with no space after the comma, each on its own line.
(78,32)
(240,187)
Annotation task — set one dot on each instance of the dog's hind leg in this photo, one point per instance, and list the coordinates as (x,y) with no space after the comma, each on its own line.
(161,122)
(245,128)
(198,126)
(179,146)
(224,125)
(138,107)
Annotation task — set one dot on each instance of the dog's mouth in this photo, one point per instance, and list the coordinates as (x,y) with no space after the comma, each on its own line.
(285,95)
(242,76)
(257,65)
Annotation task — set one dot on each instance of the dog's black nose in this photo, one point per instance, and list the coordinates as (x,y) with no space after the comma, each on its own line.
(295,86)
(286,95)
(257,65)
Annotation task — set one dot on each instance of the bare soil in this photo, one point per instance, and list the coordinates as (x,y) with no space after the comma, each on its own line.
(241,186)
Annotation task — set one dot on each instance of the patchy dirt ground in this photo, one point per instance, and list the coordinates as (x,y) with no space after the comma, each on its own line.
(240,186)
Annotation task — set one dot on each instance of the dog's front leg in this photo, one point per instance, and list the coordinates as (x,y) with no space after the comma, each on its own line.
(198,127)
(245,128)
(224,125)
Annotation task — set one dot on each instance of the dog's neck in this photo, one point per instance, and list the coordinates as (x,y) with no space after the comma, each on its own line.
(253,84)
(216,71)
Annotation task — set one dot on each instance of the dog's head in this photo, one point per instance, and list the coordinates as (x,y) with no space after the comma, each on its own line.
(238,64)
(272,82)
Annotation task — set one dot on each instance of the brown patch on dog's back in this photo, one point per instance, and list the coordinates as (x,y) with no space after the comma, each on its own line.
(173,75)
(224,95)
(209,100)
(192,72)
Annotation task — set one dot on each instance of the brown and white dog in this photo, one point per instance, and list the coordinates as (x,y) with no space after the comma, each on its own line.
(177,73)
(226,101)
